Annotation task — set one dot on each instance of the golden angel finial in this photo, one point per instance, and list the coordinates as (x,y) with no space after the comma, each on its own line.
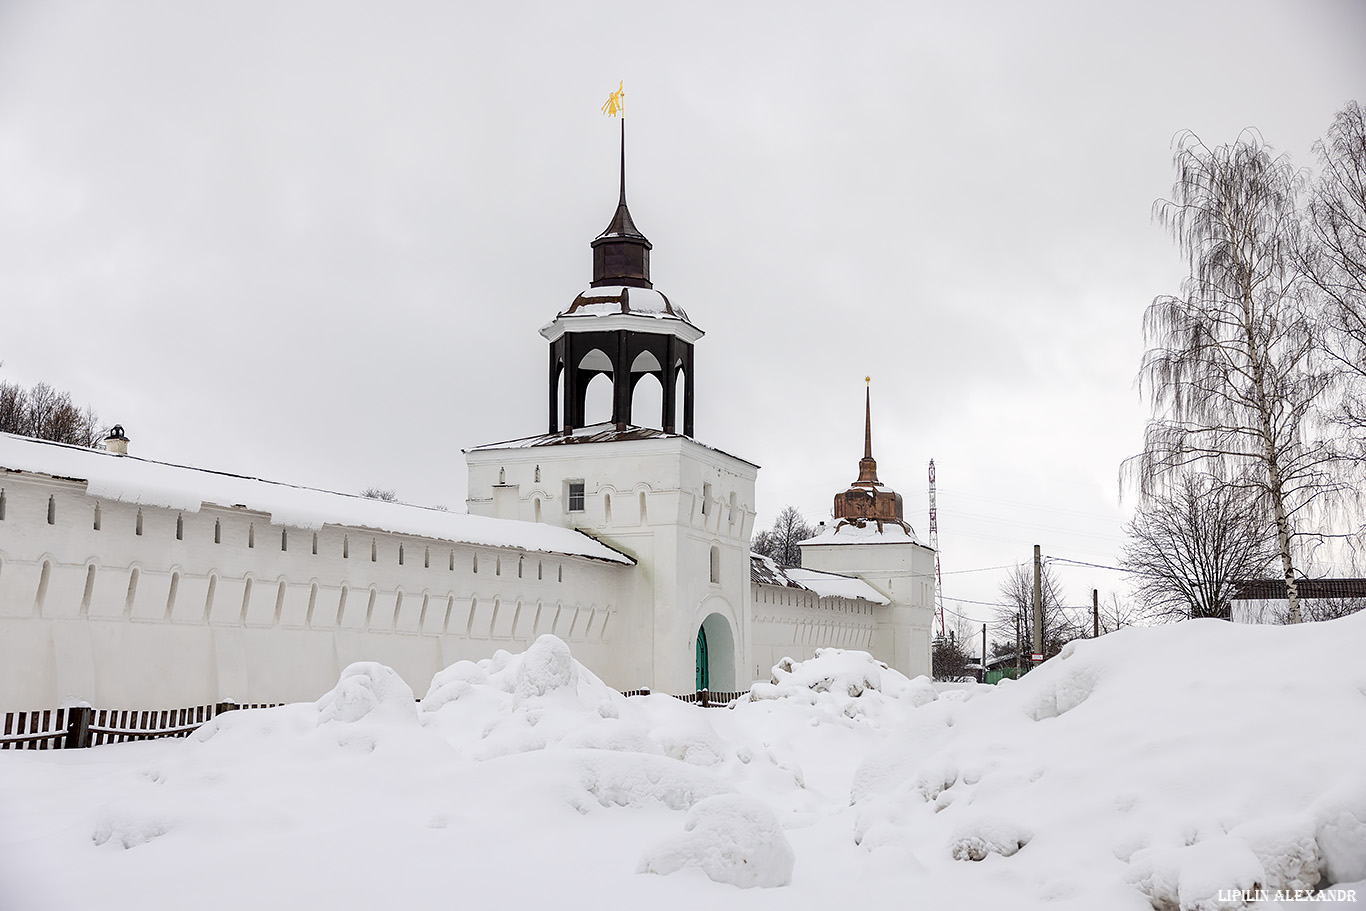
(612,107)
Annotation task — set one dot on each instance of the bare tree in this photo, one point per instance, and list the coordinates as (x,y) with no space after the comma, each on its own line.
(949,659)
(1230,368)
(950,655)
(1335,262)
(1191,550)
(13,408)
(1016,611)
(780,542)
(44,403)
(1116,613)
(48,414)
(91,434)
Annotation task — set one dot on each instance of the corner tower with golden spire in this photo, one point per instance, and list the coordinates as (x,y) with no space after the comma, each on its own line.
(868,499)
(870,539)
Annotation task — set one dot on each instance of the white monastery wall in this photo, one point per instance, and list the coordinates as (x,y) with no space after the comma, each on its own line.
(127,606)
(793,623)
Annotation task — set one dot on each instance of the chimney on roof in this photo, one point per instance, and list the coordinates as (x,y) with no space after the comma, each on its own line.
(116,442)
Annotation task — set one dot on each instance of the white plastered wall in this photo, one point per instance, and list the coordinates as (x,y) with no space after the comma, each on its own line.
(793,623)
(149,621)
(670,590)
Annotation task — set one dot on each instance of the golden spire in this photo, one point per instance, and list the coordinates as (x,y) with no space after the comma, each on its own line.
(867,467)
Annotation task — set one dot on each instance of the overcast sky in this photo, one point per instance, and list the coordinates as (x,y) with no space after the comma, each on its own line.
(313,242)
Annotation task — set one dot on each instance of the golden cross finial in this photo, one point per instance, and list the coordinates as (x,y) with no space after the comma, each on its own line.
(868,380)
(612,107)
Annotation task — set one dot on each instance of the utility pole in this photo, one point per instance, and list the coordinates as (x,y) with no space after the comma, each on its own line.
(1038,605)
(1095,613)
(1019,645)
(984,653)
(934,546)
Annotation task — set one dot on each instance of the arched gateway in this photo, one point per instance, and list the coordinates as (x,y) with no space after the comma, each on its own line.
(715,654)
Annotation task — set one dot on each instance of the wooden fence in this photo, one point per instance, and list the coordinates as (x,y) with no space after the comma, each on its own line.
(81,726)
(703,698)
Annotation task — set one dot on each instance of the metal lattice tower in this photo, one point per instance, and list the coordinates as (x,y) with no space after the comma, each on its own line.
(934,544)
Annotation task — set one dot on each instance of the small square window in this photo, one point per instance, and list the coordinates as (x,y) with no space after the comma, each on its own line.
(576,496)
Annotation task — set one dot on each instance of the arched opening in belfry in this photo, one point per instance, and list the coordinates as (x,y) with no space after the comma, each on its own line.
(714,649)
(591,388)
(675,424)
(647,401)
(557,400)
(597,400)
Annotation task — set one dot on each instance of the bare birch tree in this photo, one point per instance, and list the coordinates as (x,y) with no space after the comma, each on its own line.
(1335,262)
(1230,368)
(1191,550)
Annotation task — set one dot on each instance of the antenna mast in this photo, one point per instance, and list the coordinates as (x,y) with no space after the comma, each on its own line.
(934,545)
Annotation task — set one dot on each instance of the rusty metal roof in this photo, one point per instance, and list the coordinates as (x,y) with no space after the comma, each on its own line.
(599,433)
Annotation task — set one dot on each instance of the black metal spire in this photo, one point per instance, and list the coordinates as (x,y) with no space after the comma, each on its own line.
(621,254)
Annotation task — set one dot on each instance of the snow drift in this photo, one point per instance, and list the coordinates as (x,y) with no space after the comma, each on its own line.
(1168,768)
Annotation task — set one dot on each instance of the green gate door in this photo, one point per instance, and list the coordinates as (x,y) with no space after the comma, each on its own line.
(701,659)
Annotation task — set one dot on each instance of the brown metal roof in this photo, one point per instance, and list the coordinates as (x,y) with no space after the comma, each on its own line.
(599,433)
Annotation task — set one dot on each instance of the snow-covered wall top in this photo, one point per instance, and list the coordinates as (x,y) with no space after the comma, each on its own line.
(147,483)
(833,585)
(765,571)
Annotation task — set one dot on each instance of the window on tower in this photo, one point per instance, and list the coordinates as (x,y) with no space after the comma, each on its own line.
(576,496)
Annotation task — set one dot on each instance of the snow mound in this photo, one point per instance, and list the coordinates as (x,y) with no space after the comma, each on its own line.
(512,704)
(129,826)
(733,839)
(1148,747)
(852,683)
(371,691)
(1199,877)
(1341,834)
(982,839)
(547,665)
(641,781)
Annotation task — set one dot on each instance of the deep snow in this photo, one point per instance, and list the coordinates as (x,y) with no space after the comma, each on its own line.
(1162,767)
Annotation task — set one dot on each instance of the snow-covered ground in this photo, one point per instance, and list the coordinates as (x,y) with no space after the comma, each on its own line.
(1163,767)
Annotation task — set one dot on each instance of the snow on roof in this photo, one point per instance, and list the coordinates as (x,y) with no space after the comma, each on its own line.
(765,571)
(871,533)
(617,299)
(833,585)
(599,433)
(144,482)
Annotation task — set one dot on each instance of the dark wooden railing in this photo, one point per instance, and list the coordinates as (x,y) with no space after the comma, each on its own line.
(82,726)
